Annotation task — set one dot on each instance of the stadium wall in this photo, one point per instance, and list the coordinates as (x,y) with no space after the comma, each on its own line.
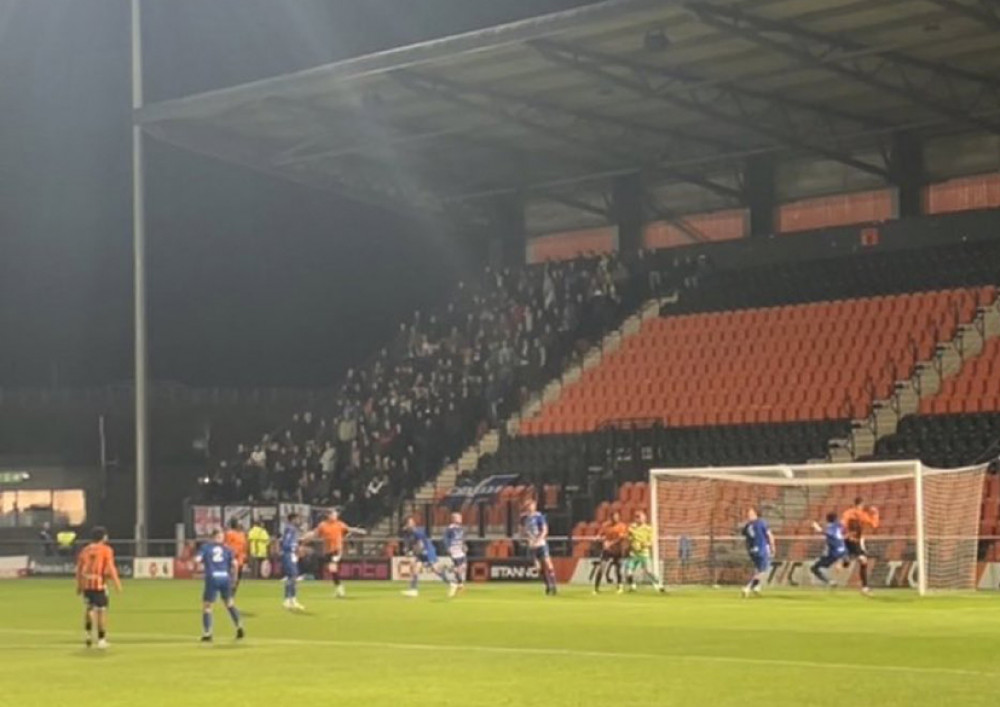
(572,244)
(840,219)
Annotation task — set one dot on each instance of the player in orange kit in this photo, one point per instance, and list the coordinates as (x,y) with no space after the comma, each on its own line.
(94,564)
(236,540)
(333,531)
(857,521)
(614,544)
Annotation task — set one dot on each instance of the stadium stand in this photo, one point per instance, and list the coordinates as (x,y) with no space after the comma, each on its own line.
(755,365)
(446,378)
(854,275)
(944,440)
(960,423)
(759,364)
(749,366)
(976,388)
(540,458)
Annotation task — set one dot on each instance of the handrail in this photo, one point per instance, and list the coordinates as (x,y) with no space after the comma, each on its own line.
(630,423)
(123,394)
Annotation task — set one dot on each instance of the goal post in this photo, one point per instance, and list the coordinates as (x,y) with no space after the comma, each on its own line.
(927,537)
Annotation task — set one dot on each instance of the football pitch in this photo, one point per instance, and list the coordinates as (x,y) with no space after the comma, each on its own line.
(502,645)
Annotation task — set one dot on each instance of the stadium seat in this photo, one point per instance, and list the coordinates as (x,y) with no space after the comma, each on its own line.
(733,368)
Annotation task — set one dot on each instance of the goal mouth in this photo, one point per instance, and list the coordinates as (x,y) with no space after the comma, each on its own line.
(925,533)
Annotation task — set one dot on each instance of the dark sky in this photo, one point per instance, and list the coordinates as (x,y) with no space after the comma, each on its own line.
(252,280)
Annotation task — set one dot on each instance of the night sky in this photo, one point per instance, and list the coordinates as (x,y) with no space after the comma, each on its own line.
(253,281)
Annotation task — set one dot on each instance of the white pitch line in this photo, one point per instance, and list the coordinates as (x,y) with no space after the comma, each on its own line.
(552,652)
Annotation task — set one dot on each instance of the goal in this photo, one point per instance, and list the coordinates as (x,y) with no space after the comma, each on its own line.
(927,538)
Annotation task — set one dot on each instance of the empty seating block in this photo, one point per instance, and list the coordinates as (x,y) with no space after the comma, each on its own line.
(863,274)
(820,361)
(976,388)
(733,445)
(943,440)
(565,458)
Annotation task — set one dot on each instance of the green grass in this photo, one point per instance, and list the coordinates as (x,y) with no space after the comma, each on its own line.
(502,645)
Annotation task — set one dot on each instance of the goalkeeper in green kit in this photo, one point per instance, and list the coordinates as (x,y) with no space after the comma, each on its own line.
(640,540)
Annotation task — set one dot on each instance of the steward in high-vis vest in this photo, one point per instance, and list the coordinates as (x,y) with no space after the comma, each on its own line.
(260,540)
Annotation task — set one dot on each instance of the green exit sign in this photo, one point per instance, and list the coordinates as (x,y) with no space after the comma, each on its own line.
(14,477)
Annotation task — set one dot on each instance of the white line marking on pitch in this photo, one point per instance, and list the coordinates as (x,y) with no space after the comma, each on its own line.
(552,652)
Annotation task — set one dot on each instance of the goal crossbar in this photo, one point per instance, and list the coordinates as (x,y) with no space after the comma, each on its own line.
(739,474)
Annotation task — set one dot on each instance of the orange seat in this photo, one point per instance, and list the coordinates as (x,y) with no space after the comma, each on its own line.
(823,360)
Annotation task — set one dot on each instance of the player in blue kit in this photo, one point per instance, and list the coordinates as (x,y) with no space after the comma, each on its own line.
(423,553)
(760,547)
(290,538)
(836,547)
(535,529)
(220,569)
(454,545)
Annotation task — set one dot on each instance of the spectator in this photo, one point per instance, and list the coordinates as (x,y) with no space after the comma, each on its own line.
(45,536)
(258,457)
(66,540)
(259,540)
(445,377)
(328,459)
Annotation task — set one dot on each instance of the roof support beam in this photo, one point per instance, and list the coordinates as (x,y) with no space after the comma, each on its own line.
(843,43)
(987,13)
(575,204)
(465,96)
(724,90)
(616,126)
(389,143)
(674,219)
(300,154)
(705,183)
(926,84)
(380,162)
(379,137)
(217,145)
(791,134)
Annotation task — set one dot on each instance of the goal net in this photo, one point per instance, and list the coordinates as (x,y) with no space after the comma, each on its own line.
(927,536)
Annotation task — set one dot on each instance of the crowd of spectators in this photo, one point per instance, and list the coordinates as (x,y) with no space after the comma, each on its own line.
(445,378)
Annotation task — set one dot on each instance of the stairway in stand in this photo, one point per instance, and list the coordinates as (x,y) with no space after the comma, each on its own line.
(490,442)
(928,376)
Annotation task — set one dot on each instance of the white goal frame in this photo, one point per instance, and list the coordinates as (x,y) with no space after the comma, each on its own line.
(786,475)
